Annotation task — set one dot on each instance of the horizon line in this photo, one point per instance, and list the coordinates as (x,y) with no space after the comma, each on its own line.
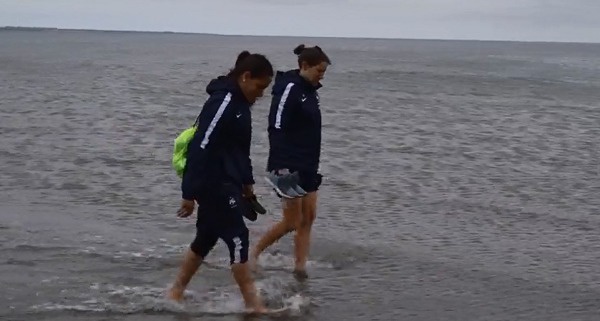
(31,28)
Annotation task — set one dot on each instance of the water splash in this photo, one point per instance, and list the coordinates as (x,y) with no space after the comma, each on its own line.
(123,299)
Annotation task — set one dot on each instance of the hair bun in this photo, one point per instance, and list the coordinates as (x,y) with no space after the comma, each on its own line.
(298,50)
(243,55)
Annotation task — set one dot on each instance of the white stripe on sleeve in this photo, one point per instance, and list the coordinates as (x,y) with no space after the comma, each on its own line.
(215,120)
(284,97)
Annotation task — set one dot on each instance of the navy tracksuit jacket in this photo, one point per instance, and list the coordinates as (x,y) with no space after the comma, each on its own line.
(294,124)
(220,150)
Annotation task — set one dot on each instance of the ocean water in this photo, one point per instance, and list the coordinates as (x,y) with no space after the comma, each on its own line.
(462,180)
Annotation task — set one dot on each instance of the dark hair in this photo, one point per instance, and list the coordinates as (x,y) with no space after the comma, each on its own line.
(258,65)
(311,55)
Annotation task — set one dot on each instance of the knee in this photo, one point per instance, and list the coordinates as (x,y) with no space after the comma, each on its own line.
(309,216)
(309,211)
(291,222)
(289,226)
(301,224)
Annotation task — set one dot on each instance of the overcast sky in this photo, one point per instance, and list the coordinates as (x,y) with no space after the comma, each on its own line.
(528,20)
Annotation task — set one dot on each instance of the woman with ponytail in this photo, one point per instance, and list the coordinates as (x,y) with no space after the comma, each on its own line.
(218,174)
(295,148)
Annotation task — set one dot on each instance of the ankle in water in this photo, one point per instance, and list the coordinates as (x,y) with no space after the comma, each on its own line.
(300,275)
(175,293)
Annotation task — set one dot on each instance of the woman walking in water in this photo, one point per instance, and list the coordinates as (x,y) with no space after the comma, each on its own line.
(295,147)
(218,174)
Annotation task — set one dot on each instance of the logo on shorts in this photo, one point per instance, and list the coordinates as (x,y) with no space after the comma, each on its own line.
(232,202)
(238,243)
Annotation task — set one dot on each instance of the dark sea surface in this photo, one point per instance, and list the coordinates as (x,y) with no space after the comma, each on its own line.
(462,180)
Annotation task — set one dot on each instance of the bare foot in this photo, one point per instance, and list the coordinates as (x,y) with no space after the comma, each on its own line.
(300,275)
(175,294)
(257,310)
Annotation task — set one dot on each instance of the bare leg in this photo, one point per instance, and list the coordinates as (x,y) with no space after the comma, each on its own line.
(241,273)
(302,238)
(291,213)
(189,266)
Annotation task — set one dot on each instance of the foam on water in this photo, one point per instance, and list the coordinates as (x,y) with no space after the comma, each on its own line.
(269,260)
(122,299)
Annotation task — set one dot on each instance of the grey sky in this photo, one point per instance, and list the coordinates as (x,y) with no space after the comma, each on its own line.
(537,20)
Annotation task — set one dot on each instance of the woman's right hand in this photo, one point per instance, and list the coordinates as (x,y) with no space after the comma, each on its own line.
(248,191)
(186,208)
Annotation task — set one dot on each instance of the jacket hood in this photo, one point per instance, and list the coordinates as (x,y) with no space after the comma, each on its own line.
(221,83)
(283,78)
(225,84)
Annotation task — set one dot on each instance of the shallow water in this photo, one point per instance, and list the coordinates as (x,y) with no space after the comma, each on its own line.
(461,180)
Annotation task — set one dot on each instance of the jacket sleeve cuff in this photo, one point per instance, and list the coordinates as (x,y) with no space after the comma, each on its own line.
(186,190)
(249,181)
(187,196)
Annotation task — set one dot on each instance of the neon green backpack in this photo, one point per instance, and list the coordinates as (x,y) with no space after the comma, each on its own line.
(180,149)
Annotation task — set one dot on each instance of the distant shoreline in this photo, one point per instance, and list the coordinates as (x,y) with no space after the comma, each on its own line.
(27,28)
(46,29)
(13,28)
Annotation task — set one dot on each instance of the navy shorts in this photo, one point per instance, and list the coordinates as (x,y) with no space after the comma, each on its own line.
(220,216)
(309,181)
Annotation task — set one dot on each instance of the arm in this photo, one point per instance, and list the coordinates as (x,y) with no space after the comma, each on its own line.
(248,177)
(287,106)
(214,114)
(188,189)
